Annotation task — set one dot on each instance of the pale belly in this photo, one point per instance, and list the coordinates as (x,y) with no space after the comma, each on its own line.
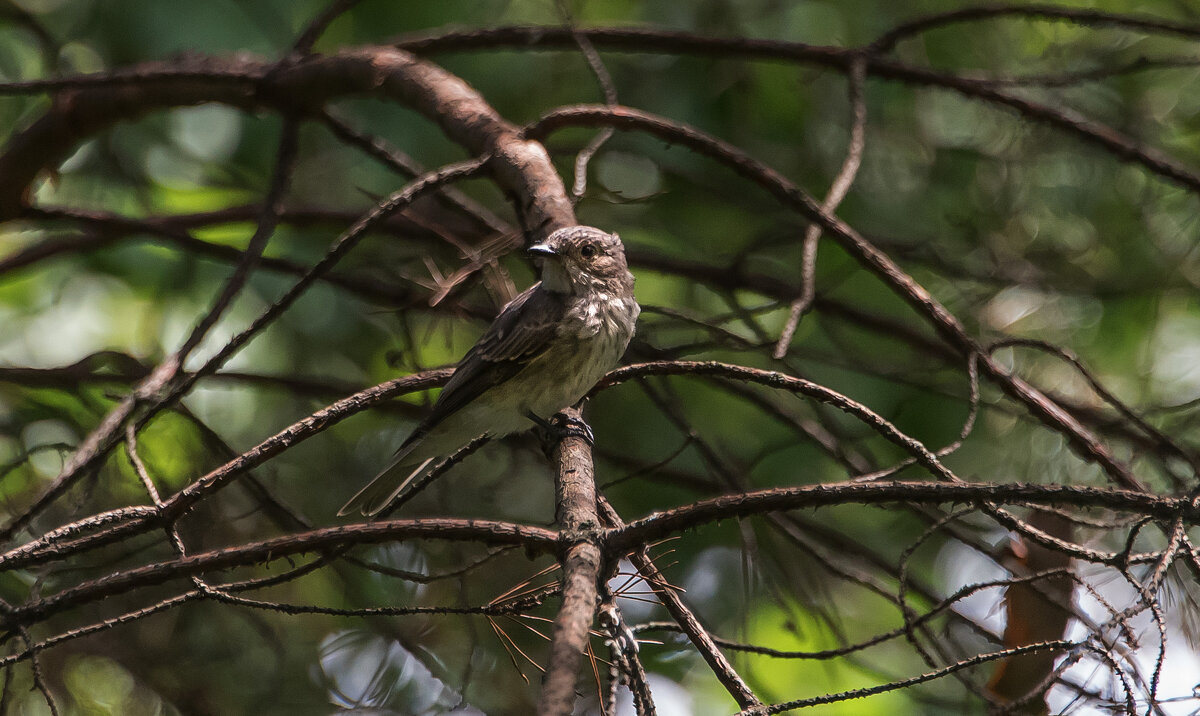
(555,380)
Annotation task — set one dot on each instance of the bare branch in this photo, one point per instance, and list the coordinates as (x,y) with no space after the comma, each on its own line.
(575,488)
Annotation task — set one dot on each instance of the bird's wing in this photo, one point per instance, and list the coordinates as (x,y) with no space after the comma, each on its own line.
(522,331)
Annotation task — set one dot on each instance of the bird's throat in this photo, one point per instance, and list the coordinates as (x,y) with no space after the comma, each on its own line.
(555,277)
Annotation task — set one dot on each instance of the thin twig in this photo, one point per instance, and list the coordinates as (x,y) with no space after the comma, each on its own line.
(607,87)
(837,191)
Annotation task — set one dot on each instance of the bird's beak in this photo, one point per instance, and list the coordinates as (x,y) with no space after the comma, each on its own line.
(540,250)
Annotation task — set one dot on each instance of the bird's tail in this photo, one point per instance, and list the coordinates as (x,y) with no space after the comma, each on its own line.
(386,488)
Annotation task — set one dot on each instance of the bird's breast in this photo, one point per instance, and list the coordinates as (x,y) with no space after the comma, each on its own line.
(599,314)
(591,339)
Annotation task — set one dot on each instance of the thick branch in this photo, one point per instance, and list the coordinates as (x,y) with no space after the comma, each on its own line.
(575,488)
(522,167)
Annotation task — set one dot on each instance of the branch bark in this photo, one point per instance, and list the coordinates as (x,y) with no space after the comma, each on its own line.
(661,524)
(575,490)
(521,166)
(486,531)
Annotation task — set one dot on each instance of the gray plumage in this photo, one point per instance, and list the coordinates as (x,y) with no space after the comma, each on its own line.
(543,353)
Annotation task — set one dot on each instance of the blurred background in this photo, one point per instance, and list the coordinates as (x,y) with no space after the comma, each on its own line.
(1020,228)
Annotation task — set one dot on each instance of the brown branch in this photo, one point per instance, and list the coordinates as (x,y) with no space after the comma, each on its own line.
(835,58)
(241,83)
(136,520)
(195,594)
(607,87)
(399,162)
(661,524)
(913,681)
(739,279)
(1088,18)
(50,247)
(1157,437)
(535,539)
(103,229)
(126,370)
(426,183)
(837,191)
(792,384)
(90,453)
(268,218)
(39,678)
(1079,77)
(575,490)
(521,166)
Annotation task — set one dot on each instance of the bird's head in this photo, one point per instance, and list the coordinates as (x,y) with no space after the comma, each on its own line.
(582,258)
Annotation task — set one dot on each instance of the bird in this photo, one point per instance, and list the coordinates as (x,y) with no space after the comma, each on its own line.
(545,350)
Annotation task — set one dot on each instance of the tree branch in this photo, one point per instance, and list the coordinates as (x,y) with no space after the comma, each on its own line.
(575,491)
(535,539)
(661,524)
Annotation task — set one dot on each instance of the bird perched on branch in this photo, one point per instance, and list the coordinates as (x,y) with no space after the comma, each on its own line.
(543,353)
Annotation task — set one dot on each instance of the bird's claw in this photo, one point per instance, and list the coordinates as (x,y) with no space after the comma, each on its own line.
(568,426)
(562,426)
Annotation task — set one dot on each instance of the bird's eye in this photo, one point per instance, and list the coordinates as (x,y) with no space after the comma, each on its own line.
(588,251)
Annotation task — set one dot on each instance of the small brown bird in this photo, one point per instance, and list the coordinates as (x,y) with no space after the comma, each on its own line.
(543,353)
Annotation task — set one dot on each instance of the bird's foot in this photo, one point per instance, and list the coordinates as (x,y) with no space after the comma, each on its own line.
(562,426)
(569,426)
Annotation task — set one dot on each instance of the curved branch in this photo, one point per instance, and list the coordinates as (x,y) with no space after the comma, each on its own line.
(837,192)
(534,539)
(792,384)
(1079,16)
(839,59)
(521,166)
(661,524)
(138,520)
(1059,645)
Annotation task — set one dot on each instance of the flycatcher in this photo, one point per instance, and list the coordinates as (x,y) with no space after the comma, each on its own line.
(543,353)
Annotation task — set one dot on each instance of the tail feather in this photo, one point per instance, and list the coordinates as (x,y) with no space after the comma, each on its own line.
(385,488)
